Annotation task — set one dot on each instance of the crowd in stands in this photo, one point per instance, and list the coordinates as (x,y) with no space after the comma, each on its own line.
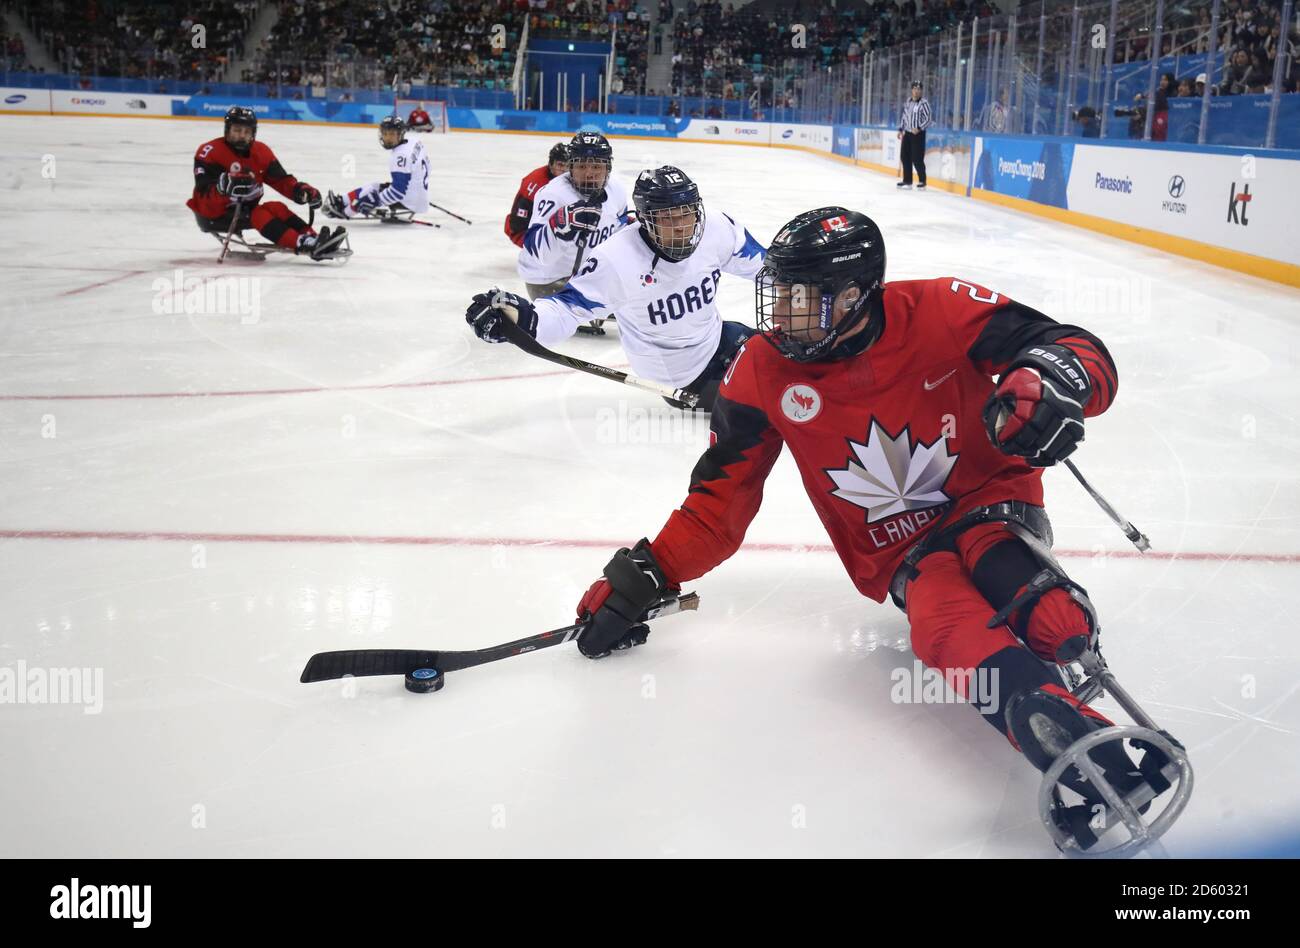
(1250,38)
(13,55)
(724,51)
(440,42)
(421,41)
(172,39)
(627,21)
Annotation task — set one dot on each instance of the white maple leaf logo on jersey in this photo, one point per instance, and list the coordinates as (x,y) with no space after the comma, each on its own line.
(889,477)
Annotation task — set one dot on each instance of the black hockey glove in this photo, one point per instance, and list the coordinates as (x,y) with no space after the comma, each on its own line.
(239,187)
(570,221)
(488,310)
(336,207)
(1036,411)
(304,193)
(614,605)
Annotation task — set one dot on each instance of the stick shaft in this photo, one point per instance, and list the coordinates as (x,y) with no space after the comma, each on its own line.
(225,245)
(518,337)
(1136,536)
(439,207)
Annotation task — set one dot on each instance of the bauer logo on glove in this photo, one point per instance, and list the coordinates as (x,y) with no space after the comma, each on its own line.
(1036,411)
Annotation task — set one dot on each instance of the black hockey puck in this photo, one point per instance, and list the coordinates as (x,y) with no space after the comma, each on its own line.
(424,680)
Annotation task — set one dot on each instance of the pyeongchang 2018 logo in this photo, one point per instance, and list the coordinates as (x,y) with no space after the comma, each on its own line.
(1029,170)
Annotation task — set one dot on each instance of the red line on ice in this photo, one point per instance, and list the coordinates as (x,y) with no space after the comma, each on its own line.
(97,285)
(561,543)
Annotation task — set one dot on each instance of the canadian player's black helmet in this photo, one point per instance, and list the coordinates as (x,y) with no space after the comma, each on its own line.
(240,115)
(800,293)
(588,149)
(392,123)
(666,202)
(559,152)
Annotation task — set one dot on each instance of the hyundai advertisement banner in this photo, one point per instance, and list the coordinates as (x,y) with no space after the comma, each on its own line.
(1245,202)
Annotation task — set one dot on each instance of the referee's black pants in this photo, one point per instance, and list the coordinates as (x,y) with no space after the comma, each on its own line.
(914,156)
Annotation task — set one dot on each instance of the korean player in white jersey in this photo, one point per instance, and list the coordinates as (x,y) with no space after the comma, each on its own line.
(404,194)
(573,215)
(659,278)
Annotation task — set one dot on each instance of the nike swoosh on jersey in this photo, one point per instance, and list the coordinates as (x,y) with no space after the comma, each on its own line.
(930,386)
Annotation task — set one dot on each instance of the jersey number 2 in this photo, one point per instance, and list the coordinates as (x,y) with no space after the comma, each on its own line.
(973,290)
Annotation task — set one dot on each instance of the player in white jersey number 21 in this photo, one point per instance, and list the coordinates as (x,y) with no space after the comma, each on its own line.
(407,190)
(659,278)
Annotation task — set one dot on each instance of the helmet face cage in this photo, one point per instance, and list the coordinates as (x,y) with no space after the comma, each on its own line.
(806,330)
(587,152)
(585,183)
(395,124)
(666,225)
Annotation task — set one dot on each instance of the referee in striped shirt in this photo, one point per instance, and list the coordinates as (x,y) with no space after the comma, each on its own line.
(916,119)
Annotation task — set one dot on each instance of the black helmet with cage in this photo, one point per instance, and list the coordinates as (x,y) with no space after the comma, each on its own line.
(823,273)
(241,115)
(589,153)
(392,123)
(671,213)
(559,154)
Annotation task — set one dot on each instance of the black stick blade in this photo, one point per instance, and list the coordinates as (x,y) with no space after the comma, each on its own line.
(364,662)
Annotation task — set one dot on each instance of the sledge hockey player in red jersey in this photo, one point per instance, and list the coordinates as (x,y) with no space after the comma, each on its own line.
(419,121)
(229,174)
(521,212)
(926,473)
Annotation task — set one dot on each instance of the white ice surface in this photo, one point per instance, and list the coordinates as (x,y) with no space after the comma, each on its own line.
(199,547)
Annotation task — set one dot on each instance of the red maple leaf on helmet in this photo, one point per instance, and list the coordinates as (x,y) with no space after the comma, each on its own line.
(805,402)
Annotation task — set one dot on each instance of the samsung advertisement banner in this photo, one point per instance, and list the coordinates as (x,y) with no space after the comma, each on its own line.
(25,100)
(85,102)
(816,137)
